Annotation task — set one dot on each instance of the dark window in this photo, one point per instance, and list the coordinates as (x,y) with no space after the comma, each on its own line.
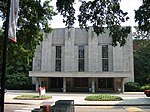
(58,59)
(58,52)
(80,82)
(105,63)
(56,82)
(104,51)
(106,83)
(81,58)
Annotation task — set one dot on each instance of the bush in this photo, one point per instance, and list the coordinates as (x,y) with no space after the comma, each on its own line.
(33,97)
(146,87)
(18,81)
(103,97)
(132,87)
(18,87)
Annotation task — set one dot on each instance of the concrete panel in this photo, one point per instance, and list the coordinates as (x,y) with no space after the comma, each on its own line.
(36,65)
(53,54)
(69,50)
(46,53)
(63,58)
(128,58)
(86,59)
(110,57)
(117,58)
(58,36)
(76,59)
(92,51)
(104,38)
(81,37)
(99,58)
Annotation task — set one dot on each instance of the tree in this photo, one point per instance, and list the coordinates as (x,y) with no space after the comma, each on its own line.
(142,16)
(33,19)
(142,62)
(99,13)
(142,35)
(141,57)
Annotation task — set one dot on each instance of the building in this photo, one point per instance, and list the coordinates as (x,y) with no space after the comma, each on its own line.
(78,60)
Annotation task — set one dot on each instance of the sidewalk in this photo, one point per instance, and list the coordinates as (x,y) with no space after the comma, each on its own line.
(129,99)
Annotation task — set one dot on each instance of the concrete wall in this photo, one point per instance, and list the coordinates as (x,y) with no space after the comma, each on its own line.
(46,53)
(120,58)
(36,65)
(92,51)
(69,50)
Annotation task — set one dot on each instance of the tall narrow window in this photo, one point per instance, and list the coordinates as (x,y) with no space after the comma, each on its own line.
(105,66)
(58,59)
(81,59)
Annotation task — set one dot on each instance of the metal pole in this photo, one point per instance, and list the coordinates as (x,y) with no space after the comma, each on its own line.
(4,56)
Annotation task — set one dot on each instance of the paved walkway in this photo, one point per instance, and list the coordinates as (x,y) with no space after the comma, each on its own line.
(129,99)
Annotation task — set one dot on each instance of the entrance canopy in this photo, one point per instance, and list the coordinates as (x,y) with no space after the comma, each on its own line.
(79,74)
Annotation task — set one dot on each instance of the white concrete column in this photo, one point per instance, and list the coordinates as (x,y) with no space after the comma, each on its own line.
(93,86)
(64,84)
(69,50)
(92,51)
(122,84)
(46,52)
(37,84)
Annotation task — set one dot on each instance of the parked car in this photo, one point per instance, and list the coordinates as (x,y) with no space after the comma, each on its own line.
(147,93)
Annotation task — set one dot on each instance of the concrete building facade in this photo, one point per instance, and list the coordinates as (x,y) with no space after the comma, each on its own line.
(74,59)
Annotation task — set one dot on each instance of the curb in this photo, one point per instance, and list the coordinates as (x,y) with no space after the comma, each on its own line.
(87,104)
(18,103)
(111,104)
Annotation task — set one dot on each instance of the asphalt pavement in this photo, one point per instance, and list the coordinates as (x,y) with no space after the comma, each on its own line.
(129,99)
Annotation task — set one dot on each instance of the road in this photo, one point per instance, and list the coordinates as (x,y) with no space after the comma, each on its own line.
(128,98)
(28,108)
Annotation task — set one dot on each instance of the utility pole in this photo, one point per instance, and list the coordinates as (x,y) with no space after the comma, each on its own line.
(4,53)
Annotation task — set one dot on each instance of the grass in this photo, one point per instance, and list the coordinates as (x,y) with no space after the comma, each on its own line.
(33,97)
(103,97)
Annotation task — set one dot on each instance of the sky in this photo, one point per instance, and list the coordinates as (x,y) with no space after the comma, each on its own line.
(126,5)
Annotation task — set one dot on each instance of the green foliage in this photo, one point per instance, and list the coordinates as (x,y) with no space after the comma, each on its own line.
(132,87)
(103,97)
(33,97)
(146,87)
(18,80)
(98,13)
(65,7)
(142,62)
(33,20)
(142,16)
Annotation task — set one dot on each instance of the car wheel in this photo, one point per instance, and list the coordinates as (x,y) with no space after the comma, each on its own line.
(148,95)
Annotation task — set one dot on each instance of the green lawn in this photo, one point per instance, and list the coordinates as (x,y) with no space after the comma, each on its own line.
(103,97)
(33,97)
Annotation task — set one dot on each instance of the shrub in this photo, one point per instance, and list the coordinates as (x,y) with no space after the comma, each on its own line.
(132,86)
(103,97)
(18,81)
(33,97)
(145,87)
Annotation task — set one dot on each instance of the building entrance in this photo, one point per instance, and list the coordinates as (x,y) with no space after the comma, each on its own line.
(106,84)
(55,84)
(80,85)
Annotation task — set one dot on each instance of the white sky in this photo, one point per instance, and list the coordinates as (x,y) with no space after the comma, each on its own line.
(127,5)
